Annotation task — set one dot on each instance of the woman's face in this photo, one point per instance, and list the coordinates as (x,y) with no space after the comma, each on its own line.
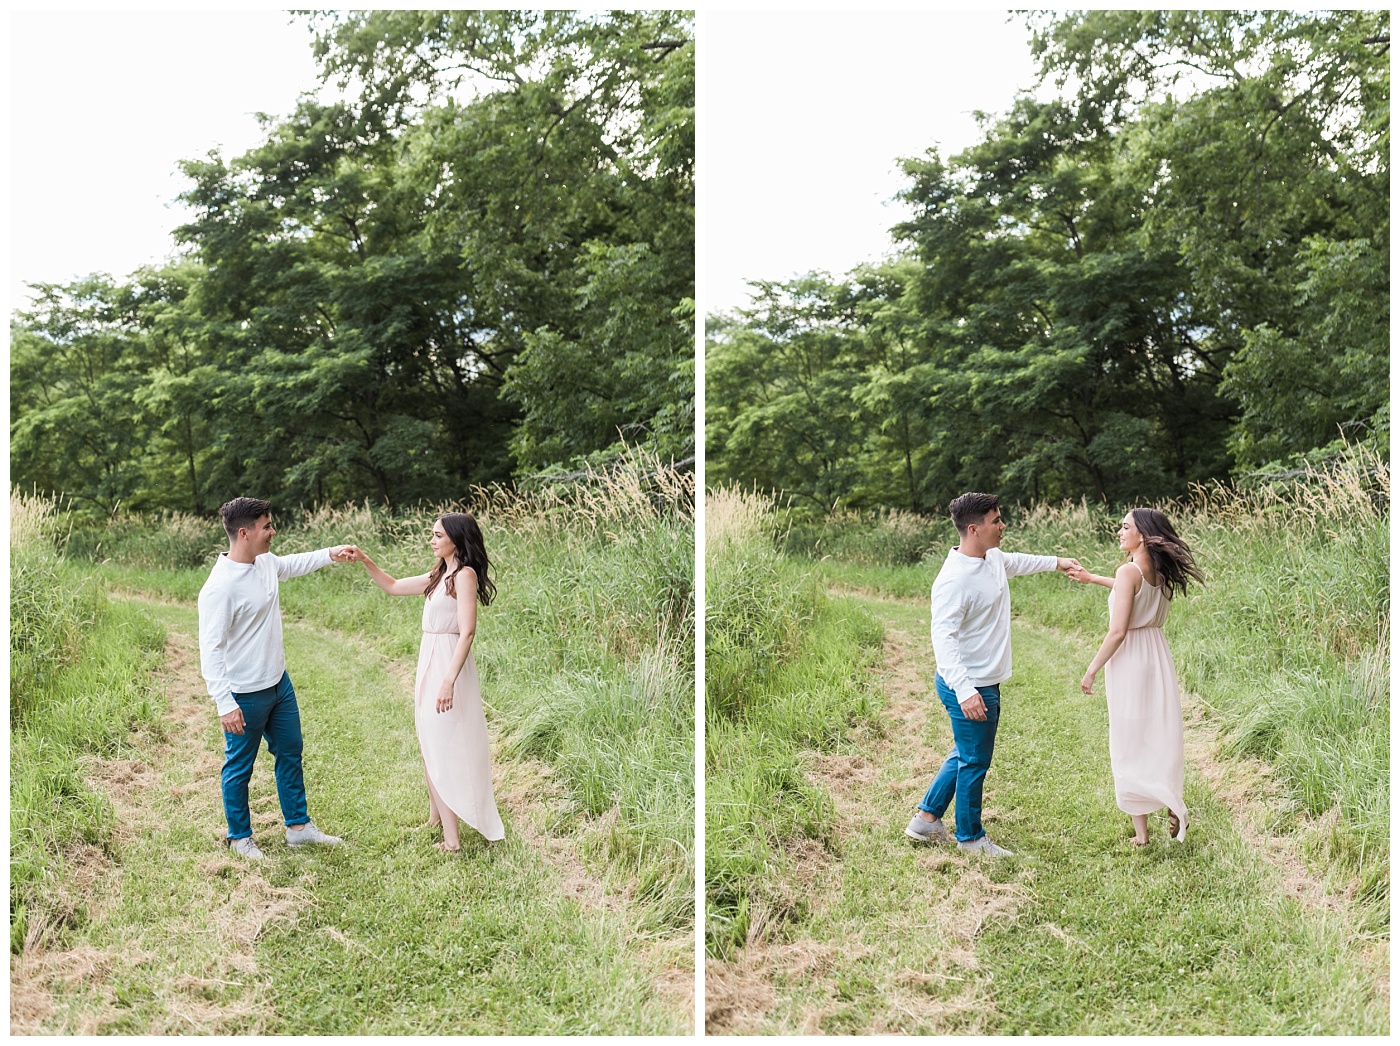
(1129,538)
(440,543)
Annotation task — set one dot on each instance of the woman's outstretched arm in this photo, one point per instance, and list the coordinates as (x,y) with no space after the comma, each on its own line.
(409,586)
(1124,588)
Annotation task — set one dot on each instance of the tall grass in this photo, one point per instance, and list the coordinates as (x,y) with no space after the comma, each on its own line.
(79,686)
(888,537)
(787,669)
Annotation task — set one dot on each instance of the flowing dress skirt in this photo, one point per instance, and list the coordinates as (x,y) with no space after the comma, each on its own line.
(1145,744)
(456,747)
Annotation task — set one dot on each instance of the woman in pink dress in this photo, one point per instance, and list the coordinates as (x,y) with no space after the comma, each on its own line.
(1145,743)
(451,725)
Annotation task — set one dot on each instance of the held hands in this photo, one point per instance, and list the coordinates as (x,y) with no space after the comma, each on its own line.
(444,698)
(1080,574)
(345,553)
(1069,566)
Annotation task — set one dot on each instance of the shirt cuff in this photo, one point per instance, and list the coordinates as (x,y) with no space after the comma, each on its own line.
(226,704)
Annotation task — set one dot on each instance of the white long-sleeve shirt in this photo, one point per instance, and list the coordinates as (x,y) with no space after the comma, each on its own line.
(240,623)
(970,606)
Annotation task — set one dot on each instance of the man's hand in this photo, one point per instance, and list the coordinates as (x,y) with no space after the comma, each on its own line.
(974,708)
(233,722)
(1067,564)
(344,553)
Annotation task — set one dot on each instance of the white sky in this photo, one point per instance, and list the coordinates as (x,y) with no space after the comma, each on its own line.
(804,116)
(104,104)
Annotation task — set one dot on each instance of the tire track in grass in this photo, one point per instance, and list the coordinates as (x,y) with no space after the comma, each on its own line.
(889,945)
(381,935)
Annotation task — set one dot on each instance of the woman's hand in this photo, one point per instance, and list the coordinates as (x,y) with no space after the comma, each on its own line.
(444,698)
(1080,574)
(1087,683)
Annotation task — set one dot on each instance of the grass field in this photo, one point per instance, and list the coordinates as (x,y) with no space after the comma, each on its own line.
(127,915)
(1273,917)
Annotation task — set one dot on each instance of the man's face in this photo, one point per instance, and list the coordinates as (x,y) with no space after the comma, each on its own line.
(259,535)
(991,529)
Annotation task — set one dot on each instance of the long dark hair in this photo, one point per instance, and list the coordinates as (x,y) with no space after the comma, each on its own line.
(471,552)
(1171,557)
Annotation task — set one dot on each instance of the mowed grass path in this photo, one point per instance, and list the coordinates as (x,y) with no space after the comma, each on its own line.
(384,935)
(1080,933)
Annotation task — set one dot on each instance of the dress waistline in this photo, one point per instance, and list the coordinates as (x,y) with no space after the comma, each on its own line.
(430,632)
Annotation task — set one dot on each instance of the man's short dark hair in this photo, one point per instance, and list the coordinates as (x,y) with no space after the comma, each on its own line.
(971,508)
(243,512)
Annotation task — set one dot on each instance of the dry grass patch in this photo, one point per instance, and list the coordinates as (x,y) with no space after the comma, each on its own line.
(69,991)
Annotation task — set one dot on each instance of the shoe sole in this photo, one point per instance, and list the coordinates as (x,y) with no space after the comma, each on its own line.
(925,838)
(984,853)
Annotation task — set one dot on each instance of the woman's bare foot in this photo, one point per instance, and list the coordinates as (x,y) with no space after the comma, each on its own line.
(445,848)
(431,822)
(1139,830)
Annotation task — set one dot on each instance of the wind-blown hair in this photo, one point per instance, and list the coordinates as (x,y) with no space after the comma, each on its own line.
(462,528)
(243,512)
(1171,556)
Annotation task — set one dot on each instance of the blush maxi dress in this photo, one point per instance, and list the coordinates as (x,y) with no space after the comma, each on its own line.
(1145,742)
(455,744)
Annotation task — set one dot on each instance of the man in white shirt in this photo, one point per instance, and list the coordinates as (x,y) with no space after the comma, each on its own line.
(970,608)
(241,656)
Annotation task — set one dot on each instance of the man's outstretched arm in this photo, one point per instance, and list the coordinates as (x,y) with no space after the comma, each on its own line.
(299,563)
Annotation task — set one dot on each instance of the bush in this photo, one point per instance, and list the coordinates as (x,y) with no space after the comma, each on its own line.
(786,670)
(79,685)
(162,542)
(885,537)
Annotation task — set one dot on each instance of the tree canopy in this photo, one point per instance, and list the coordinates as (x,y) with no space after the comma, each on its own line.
(479,268)
(1177,272)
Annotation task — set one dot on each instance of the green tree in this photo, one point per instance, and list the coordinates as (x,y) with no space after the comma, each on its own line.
(76,365)
(566,195)
(1180,269)
(780,379)
(440,284)
(1269,177)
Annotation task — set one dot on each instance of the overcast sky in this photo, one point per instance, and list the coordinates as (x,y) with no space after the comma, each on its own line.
(804,116)
(103,105)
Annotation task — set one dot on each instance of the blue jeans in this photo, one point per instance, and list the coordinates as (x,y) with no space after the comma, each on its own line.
(270,713)
(960,779)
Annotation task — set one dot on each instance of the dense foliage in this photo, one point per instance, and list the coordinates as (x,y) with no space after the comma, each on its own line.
(481,267)
(1177,272)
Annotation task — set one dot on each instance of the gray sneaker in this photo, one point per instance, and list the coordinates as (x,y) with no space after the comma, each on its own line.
(245,847)
(311,834)
(984,845)
(922,831)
